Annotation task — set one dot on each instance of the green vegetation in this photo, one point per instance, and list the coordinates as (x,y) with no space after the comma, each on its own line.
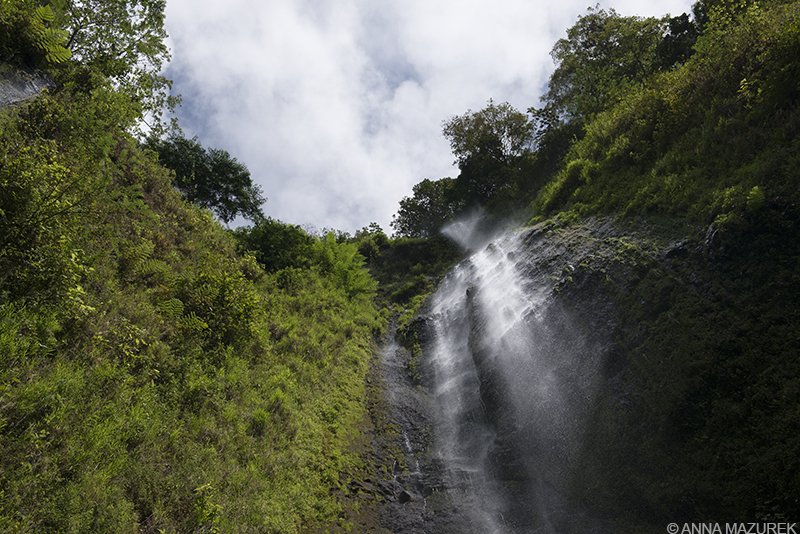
(491,147)
(408,268)
(433,204)
(152,377)
(506,157)
(160,373)
(28,35)
(682,133)
(695,420)
(698,140)
(209,178)
(688,117)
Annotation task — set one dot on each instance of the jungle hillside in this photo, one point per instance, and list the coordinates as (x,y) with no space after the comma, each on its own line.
(162,372)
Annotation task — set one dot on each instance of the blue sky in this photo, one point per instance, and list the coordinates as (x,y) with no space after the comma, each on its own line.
(336,106)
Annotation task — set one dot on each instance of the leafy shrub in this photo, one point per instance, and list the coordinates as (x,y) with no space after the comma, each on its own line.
(276,245)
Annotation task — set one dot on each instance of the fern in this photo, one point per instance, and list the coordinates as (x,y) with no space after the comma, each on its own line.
(44,14)
(140,253)
(192,321)
(172,307)
(48,41)
(151,266)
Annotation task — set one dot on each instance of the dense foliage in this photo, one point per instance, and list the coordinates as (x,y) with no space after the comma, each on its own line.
(505,156)
(690,116)
(706,358)
(433,204)
(714,137)
(161,373)
(210,178)
(152,378)
(29,34)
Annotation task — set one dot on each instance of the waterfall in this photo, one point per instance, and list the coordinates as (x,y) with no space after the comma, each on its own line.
(511,381)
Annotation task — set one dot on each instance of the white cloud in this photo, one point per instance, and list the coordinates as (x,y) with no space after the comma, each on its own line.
(336,107)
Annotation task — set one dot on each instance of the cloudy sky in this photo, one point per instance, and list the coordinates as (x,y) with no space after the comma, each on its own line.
(336,106)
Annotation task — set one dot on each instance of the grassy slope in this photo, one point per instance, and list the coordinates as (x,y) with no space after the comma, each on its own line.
(151,379)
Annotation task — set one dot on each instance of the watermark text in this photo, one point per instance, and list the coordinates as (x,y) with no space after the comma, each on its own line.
(732,528)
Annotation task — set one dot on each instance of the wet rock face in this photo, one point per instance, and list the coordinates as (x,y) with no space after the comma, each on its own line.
(410,491)
(581,378)
(17,85)
(514,346)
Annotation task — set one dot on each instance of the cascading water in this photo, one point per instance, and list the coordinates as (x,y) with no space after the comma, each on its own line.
(511,381)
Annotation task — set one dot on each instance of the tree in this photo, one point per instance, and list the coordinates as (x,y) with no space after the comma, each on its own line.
(210,178)
(276,245)
(95,42)
(433,204)
(123,41)
(371,241)
(343,263)
(602,56)
(676,47)
(489,146)
(497,131)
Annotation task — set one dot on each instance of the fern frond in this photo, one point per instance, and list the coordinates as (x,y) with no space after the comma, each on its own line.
(151,266)
(58,55)
(44,14)
(140,252)
(192,321)
(49,41)
(172,307)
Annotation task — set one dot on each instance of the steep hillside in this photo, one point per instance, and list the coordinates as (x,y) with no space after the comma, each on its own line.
(708,140)
(152,377)
(159,372)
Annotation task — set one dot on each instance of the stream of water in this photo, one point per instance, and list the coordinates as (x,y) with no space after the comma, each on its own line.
(511,384)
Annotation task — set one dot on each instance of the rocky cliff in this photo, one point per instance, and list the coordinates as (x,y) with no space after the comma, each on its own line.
(17,85)
(649,376)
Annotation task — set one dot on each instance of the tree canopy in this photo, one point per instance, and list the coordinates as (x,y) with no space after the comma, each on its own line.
(497,131)
(490,146)
(87,43)
(275,244)
(431,206)
(124,41)
(602,56)
(210,178)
